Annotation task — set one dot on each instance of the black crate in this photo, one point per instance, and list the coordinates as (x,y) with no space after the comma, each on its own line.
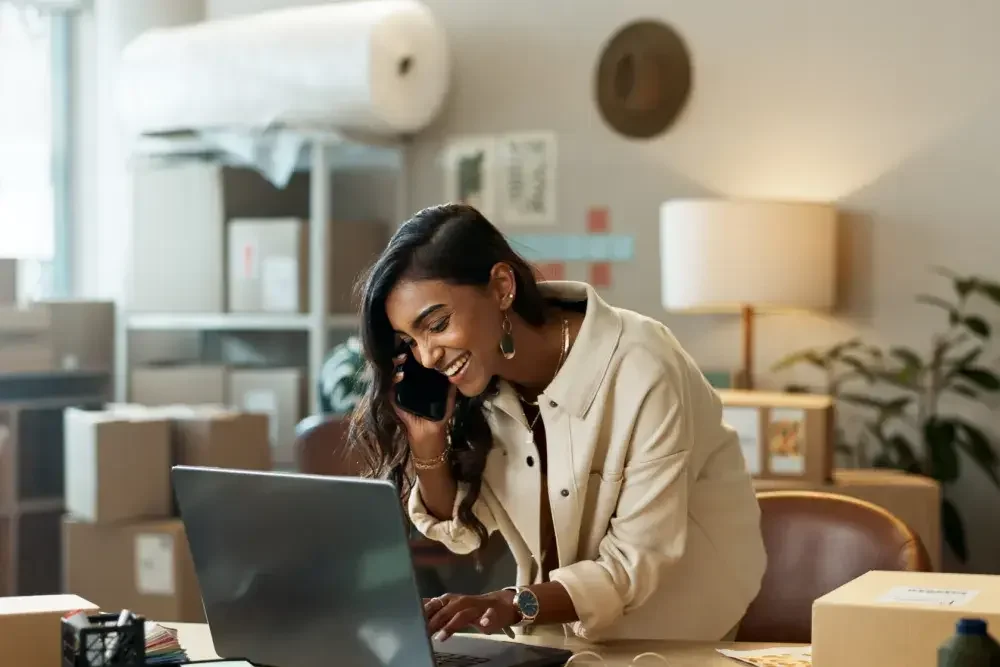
(104,643)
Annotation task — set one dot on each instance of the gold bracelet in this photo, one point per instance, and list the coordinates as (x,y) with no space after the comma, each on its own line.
(431,463)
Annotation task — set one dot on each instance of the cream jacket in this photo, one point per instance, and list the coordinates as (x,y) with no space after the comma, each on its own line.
(656,522)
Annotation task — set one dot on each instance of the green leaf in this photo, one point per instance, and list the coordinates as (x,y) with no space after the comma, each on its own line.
(977,446)
(859,367)
(940,436)
(965,390)
(977,325)
(909,358)
(795,358)
(954,530)
(901,378)
(990,290)
(964,286)
(905,454)
(927,299)
(981,377)
(968,357)
(839,348)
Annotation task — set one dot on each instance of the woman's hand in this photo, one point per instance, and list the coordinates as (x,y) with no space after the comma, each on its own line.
(427,438)
(489,613)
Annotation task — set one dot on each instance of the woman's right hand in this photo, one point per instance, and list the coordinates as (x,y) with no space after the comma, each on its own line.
(427,438)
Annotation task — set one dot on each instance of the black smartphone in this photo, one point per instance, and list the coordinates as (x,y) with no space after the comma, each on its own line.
(422,391)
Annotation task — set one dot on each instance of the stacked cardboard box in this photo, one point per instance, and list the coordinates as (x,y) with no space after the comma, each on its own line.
(123,546)
(54,336)
(276,393)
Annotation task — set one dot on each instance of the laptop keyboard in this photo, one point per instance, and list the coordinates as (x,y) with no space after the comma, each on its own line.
(455,660)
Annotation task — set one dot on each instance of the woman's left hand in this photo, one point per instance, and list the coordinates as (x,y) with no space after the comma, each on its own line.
(452,613)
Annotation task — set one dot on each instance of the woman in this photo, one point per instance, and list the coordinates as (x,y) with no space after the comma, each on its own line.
(582,432)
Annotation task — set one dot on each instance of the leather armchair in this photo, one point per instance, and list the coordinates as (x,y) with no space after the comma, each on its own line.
(816,542)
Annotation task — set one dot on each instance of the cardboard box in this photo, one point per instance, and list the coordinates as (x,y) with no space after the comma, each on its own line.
(899,618)
(212,436)
(277,393)
(177,240)
(913,498)
(268,265)
(783,436)
(144,567)
(30,628)
(117,466)
(269,259)
(188,384)
(25,340)
(83,335)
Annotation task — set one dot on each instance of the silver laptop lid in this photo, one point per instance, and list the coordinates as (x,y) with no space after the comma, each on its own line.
(302,570)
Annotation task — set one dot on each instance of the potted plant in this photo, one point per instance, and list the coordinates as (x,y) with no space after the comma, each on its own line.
(341,383)
(913,402)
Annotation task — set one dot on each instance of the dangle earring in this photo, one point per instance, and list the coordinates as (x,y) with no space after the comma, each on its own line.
(507,339)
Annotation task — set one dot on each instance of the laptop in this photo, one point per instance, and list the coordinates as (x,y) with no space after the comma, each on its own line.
(309,571)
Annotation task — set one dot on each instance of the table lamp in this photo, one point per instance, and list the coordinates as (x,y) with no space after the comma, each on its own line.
(747,256)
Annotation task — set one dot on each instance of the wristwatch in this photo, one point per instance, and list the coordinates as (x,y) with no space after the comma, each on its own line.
(525,603)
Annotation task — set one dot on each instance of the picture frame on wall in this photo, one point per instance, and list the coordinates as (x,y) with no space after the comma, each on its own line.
(528,165)
(470,165)
(783,436)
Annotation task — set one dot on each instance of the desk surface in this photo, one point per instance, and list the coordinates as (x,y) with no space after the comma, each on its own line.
(197,641)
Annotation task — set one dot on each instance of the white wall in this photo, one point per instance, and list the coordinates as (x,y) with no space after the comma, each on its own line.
(886,107)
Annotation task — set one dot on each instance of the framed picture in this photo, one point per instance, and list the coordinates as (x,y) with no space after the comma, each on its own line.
(746,423)
(470,173)
(528,165)
(783,436)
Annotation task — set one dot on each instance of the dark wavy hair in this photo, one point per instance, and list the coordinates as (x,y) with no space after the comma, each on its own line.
(453,243)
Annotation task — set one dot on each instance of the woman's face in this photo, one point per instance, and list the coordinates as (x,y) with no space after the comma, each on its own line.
(454,329)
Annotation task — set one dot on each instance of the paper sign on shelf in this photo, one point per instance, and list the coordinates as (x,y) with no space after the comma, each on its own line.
(154,564)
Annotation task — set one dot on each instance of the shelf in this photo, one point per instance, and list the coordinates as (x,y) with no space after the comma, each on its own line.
(346,152)
(231,322)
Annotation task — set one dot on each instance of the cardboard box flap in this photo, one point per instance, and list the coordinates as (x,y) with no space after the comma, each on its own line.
(43,604)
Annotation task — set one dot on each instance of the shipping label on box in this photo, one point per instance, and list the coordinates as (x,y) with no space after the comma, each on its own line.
(268,265)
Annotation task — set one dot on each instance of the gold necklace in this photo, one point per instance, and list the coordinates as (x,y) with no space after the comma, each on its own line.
(562,358)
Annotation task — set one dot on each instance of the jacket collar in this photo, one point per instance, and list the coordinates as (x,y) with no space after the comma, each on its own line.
(576,384)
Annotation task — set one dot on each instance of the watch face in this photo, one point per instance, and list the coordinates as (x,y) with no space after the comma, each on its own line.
(527,603)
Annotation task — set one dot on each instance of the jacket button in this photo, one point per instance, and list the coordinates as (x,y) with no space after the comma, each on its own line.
(553,404)
(564,493)
(531,461)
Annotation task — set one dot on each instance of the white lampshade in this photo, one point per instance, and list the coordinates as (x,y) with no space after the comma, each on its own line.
(719,255)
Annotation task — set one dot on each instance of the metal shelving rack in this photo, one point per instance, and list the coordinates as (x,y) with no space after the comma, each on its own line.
(325,151)
(31,472)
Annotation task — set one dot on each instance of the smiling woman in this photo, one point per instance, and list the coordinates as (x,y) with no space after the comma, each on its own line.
(583,433)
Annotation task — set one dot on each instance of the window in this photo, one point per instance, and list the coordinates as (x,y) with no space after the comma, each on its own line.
(34,178)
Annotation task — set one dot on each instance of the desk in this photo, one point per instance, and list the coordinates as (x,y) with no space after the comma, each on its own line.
(197,641)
